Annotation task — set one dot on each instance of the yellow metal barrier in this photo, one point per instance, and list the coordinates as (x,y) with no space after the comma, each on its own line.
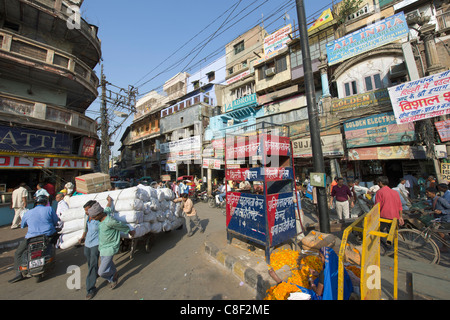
(369,226)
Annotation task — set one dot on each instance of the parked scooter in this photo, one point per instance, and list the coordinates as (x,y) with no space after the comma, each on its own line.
(39,258)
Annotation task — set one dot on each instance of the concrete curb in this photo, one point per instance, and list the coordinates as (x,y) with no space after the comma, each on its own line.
(246,274)
(9,245)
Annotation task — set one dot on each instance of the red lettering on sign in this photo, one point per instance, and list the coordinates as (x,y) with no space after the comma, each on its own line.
(18,164)
(5,161)
(38,162)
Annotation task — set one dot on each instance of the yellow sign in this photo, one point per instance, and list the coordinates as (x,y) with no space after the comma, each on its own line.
(324,18)
(445,171)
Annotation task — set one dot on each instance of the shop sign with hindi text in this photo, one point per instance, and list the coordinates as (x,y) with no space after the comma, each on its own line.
(425,98)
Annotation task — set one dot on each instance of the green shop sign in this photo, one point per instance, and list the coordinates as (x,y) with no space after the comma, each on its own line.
(249,100)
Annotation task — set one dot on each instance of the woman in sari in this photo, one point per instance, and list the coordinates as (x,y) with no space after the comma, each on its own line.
(325,287)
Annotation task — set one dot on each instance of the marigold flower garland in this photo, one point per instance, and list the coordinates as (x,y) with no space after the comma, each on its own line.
(300,267)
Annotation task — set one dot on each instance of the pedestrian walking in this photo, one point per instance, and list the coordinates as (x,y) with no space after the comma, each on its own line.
(190,213)
(91,252)
(343,196)
(109,230)
(18,203)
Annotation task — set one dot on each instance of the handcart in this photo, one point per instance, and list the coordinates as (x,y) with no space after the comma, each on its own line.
(130,245)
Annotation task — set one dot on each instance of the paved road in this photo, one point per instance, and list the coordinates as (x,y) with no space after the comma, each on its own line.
(176,268)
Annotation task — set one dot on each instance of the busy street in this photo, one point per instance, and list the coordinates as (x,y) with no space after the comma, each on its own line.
(252,150)
(176,268)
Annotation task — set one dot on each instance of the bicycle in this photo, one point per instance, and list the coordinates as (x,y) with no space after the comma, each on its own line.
(419,239)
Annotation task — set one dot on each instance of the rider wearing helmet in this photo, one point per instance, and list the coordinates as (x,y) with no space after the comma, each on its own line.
(41,220)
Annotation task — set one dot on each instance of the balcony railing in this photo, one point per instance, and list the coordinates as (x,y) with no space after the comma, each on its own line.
(23,108)
(61,8)
(186,103)
(30,49)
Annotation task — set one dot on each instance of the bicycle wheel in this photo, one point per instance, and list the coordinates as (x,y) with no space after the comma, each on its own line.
(413,245)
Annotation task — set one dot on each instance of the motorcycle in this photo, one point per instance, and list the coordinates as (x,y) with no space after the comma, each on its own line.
(213,203)
(39,258)
(202,196)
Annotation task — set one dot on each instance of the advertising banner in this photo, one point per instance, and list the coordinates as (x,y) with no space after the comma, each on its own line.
(87,147)
(377,130)
(443,127)
(191,143)
(277,41)
(363,40)
(331,146)
(381,153)
(421,99)
(32,140)
(367,99)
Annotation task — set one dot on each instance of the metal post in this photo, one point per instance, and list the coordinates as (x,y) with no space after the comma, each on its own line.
(313,114)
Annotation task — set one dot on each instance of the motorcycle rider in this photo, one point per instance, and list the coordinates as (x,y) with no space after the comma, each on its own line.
(41,220)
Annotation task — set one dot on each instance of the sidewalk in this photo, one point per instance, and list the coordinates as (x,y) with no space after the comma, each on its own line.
(247,262)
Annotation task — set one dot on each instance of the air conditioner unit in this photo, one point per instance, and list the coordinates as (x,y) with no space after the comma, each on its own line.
(270,72)
(413,16)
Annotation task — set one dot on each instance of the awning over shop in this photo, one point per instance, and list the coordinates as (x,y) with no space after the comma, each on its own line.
(241,113)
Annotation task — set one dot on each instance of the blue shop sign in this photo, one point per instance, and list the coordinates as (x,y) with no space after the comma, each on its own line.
(363,40)
(31,140)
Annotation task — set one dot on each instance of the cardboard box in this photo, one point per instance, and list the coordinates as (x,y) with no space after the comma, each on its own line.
(93,183)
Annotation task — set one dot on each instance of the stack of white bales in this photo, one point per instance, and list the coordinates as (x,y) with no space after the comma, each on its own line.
(143,208)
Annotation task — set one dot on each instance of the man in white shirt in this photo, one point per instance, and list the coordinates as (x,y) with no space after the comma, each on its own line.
(18,203)
(61,208)
(222,193)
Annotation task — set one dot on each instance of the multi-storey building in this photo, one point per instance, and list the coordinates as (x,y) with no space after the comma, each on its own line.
(401,43)
(47,83)
(264,82)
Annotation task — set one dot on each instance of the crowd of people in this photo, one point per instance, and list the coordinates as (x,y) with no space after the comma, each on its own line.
(102,232)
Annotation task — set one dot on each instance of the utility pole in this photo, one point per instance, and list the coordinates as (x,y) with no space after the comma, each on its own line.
(104,155)
(313,115)
(124,99)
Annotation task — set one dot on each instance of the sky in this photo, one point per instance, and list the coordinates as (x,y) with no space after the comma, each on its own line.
(146,42)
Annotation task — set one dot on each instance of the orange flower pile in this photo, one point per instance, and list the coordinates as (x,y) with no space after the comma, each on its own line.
(283,257)
(356,270)
(300,272)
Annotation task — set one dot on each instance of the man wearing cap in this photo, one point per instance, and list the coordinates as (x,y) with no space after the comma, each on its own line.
(109,230)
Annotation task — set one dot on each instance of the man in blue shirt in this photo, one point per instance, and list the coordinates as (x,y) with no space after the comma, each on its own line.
(439,205)
(41,220)
(442,187)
